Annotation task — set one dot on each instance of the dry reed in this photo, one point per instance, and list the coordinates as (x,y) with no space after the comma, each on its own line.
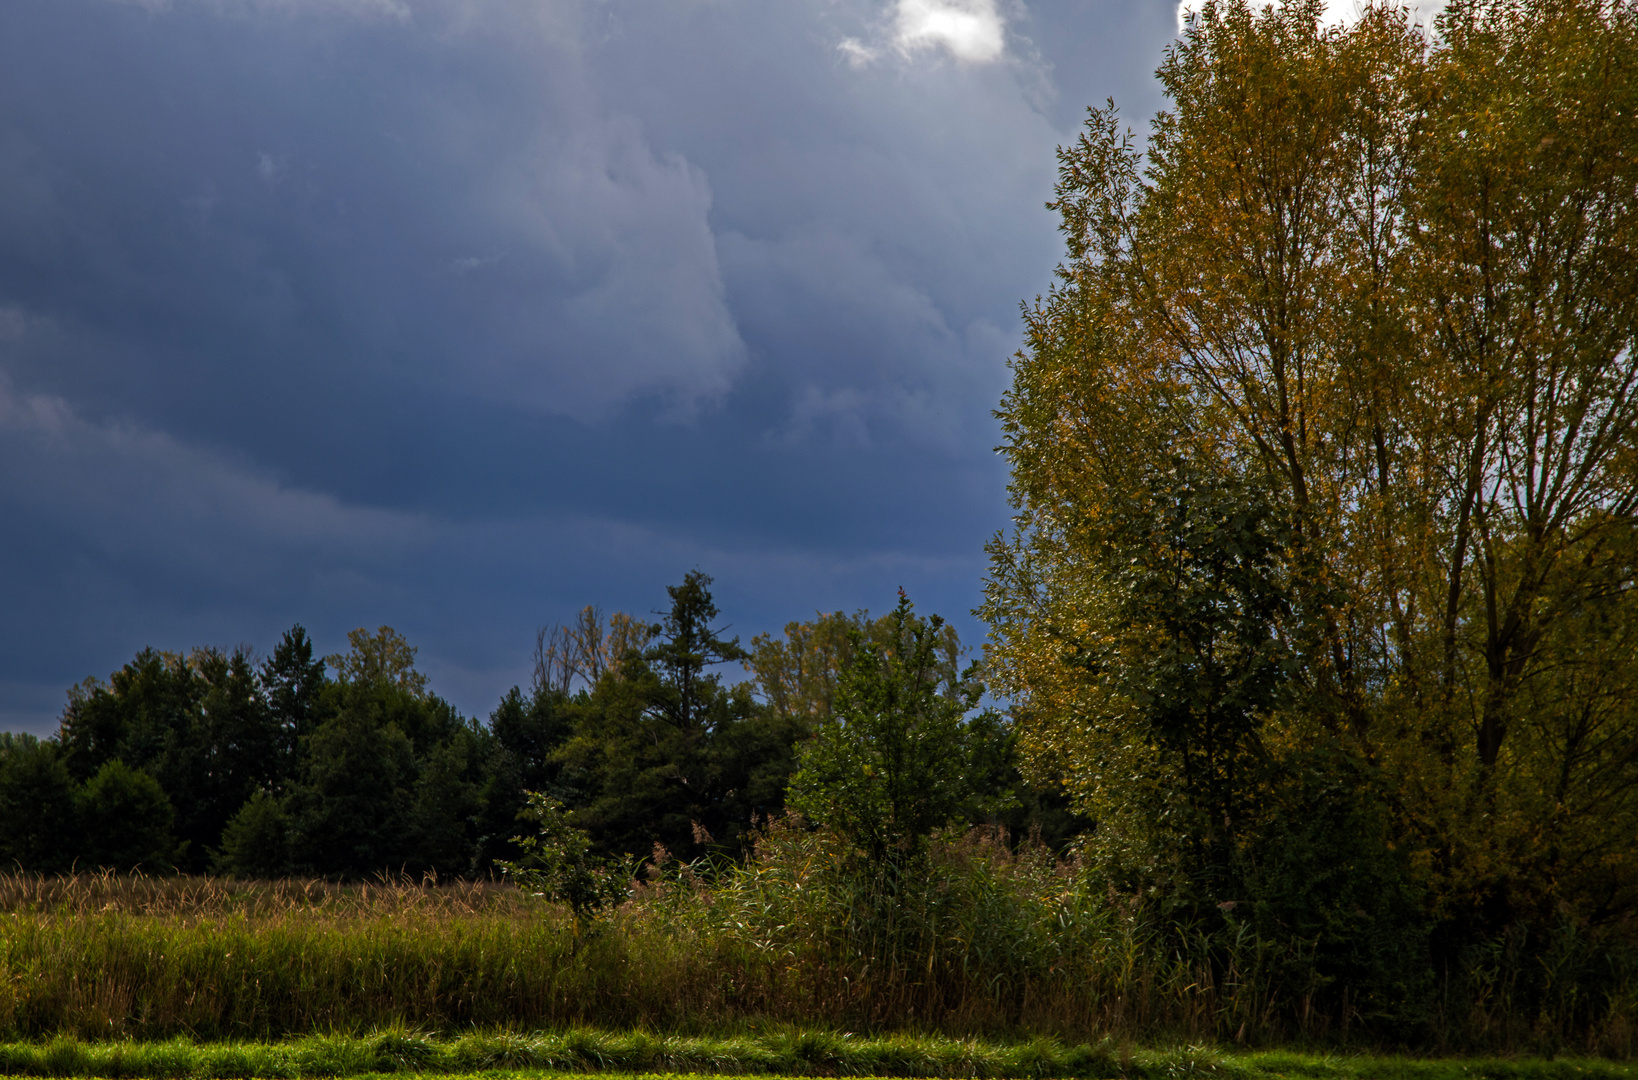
(983,939)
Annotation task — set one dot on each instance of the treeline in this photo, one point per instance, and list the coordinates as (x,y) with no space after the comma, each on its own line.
(348,766)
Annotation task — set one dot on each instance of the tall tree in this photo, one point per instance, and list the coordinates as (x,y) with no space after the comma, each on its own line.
(687,646)
(196,725)
(127,821)
(241,747)
(661,751)
(1199,647)
(1389,281)
(381,658)
(799,674)
(291,680)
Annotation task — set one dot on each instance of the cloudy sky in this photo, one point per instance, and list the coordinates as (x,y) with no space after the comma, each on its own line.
(456,315)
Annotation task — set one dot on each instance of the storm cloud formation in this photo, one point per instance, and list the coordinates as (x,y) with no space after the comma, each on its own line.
(458,314)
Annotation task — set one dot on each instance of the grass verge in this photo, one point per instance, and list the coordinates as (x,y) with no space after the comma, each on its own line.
(776,1054)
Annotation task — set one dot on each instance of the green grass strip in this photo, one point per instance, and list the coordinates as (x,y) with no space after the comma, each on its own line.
(781,1054)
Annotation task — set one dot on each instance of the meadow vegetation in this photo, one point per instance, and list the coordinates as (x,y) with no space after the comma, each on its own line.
(985,939)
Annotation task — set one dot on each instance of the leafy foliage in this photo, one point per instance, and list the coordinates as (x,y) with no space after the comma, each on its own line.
(557,865)
(274,768)
(799,674)
(896,757)
(1196,651)
(1322,459)
(382,658)
(127,820)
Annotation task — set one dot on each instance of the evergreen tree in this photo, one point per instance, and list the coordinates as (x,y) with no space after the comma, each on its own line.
(291,681)
(662,752)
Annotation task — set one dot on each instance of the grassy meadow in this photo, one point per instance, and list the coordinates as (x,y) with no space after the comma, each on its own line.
(746,972)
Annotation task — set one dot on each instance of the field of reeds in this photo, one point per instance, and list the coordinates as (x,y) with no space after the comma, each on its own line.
(984,940)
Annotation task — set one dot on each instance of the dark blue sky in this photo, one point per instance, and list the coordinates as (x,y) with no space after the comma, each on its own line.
(456,315)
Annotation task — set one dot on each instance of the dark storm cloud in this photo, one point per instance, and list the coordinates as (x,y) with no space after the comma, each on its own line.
(458,314)
(442,194)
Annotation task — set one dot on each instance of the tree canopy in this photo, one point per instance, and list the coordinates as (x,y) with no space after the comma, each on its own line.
(899,754)
(629,736)
(1323,459)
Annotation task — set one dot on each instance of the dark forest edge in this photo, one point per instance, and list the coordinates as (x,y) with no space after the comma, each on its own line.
(348,767)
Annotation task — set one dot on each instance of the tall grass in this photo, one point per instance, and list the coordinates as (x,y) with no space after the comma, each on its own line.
(981,938)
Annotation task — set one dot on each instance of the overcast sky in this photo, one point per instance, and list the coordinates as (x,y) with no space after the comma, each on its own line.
(456,315)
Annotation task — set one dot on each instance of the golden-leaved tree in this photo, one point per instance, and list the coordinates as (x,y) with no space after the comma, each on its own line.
(1323,451)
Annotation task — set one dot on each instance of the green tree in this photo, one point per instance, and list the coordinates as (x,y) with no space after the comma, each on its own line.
(37,804)
(446,803)
(383,657)
(236,749)
(895,759)
(291,681)
(529,731)
(526,734)
(800,673)
(687,646)
(392,779)
(198,725)
(661,751)
(146,713)
(127,821)
(273,769)
(256,841)
(350,813)
(1388,283)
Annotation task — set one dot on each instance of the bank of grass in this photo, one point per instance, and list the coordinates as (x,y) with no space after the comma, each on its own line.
(782,1053)
(990,941)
